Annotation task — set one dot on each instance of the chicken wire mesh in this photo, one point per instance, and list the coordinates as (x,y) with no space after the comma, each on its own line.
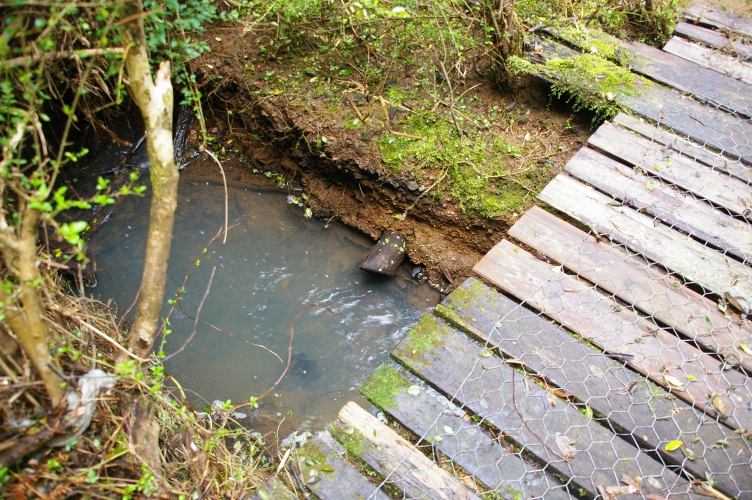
(614,360)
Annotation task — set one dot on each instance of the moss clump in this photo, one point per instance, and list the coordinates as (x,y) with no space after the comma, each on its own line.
(591,82)
(383,386)
(604,44)
(423,338)
(450,316)
(351,439)
(473,166)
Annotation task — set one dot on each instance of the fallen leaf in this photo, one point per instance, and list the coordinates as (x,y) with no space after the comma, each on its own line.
(565,446)
(654,483)
(448,429)
(413,390)
(718,404)
(689,453)
(487,353)
(634,483)
(620,490)
(674,445)
(552,399)
(674,382)
(561,393)
(745,348)
(596,371)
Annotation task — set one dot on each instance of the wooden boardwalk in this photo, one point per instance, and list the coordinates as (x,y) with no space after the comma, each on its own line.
(605,350)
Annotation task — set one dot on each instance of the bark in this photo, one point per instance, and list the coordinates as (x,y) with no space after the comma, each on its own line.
(155,100)
(508,33)
(19,252)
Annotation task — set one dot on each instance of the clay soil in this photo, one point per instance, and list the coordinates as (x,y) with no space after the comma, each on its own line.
(266,126)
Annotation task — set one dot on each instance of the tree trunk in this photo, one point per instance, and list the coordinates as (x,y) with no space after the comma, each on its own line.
(508,33)
(155,100)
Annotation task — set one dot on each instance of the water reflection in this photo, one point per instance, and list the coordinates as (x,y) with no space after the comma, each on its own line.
(274,263)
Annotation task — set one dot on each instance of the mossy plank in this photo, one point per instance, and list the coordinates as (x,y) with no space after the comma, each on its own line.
(645,411)
(329,476)
(654,196)
(687,148)
(492,389)
(428,414)
(686,117)
(686,76)
(273,489)
(652,351)
(705,183)
(395,458)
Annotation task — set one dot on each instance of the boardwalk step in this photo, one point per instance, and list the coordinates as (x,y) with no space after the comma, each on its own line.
(657,197)
(687,117)
(690,374)
(574,446)
(714,39)
(273,489)
(328,475)
(688,258)
(727,192)
(704,14)
(393,457)
(709,58)
(429,414)
(630,278)
(681,145)
(685,76)
(635,405)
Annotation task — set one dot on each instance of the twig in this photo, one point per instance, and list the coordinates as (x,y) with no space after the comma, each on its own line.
(195,320)
(224,181)
(289,353)
(110,340)
(524,422)
(354,107)
(135,299)
(451,99)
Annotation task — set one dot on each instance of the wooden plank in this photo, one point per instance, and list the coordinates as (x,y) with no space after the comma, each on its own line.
(706,183)
(704,124)
(718,18)
(650,350)
(523,411)
(273,489)
(714,39)
(630,278)
(688,258)
(429,414)
(681,145)
(709,58)
(642,409)
(705,84)
(328,475)
(652,195)
(393,457)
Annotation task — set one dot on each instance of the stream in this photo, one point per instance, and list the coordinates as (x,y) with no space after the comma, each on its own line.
(275,262)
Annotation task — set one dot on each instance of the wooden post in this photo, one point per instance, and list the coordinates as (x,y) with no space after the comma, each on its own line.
(386,256)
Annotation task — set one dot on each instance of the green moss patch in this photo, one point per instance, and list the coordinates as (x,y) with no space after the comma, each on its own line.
(422,338)
(472,166)
(383,386)
(352,440)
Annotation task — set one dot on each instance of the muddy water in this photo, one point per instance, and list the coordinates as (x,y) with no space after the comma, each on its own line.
(275,262)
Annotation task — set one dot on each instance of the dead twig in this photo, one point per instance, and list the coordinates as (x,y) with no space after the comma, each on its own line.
(224,181)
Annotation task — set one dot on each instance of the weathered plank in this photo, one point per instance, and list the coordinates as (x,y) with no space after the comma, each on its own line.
(328,475)
(718,18)
(714,39)
(393,457)
(652,351)
(685,76)
(680,144)
(709,58)
(675,208)
(429,414)
(675,168)
(688,258)
(273,489)
(386,255)
(523,411)
(635,405)
(630,278)
(706,125)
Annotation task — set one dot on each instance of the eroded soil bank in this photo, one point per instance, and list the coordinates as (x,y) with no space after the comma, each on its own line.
(448,163)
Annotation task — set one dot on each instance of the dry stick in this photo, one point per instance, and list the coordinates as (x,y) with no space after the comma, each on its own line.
(135,299)
(514,400)
(195,321)
(224,181)
(289,354)
(110,340)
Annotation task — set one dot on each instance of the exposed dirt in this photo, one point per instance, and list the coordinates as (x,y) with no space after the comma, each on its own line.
(344,175)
